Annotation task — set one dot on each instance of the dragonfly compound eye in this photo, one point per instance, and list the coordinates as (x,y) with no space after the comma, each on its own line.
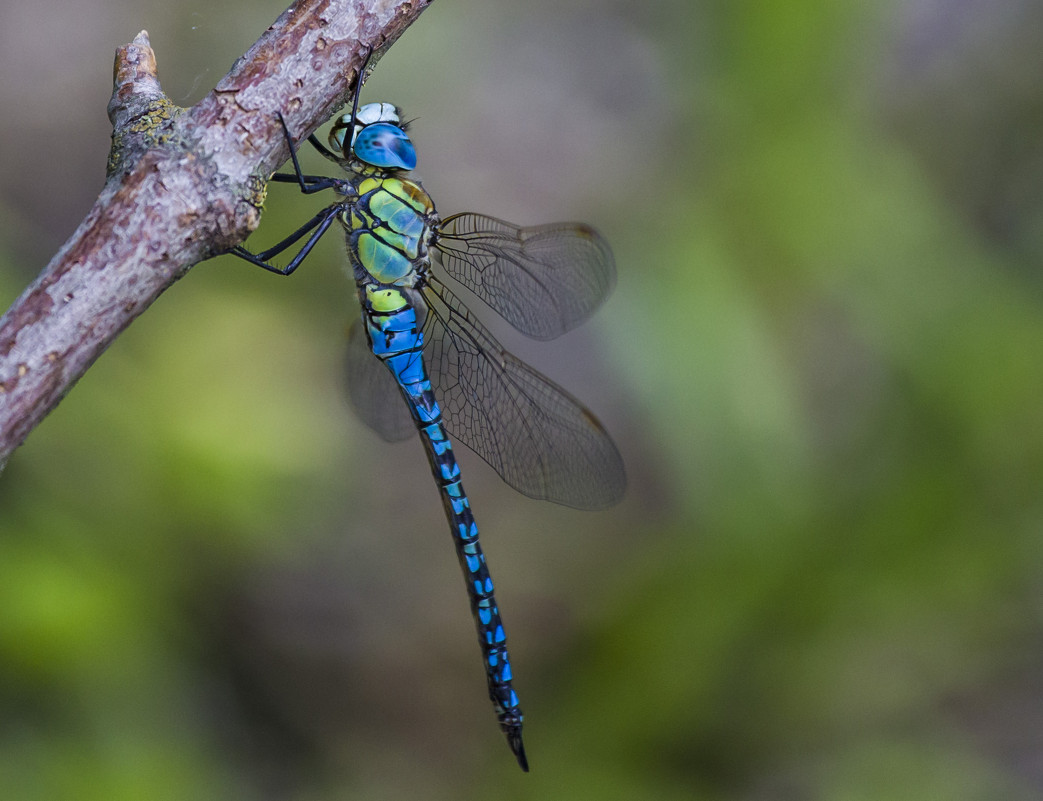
(385,145)
(367,115)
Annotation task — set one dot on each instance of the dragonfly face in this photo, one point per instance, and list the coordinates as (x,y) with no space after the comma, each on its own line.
(377,138)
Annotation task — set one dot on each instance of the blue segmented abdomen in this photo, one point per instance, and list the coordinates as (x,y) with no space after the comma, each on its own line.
(396,340)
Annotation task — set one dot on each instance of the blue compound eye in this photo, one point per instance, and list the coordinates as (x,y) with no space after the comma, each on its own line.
(384,145)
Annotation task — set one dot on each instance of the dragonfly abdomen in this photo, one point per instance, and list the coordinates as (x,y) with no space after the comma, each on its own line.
(484,609)
(396,340)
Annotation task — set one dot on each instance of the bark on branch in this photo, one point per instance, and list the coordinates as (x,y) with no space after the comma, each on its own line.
(183,185)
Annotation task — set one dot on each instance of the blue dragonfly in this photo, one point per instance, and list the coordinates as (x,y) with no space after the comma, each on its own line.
(434,353)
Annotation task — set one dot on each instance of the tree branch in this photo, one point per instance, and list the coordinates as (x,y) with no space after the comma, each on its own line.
(183,185)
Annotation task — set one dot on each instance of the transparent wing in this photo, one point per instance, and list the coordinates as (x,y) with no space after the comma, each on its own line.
(540,439)
(372,390)
(543,280)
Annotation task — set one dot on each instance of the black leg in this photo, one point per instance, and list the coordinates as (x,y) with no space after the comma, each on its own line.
(323,150)
(320,223)
(358,88)
(314,183)
(308,184)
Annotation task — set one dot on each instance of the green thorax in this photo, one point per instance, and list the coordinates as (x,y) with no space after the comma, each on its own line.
(389,229)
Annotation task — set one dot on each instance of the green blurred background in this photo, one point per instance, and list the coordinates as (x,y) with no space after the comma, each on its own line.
(822,363)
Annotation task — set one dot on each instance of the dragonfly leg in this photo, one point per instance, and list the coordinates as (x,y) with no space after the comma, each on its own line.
(314,183)
(323,150)
(309,184)
(320,223)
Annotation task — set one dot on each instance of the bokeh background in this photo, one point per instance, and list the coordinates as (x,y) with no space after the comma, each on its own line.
(822,363)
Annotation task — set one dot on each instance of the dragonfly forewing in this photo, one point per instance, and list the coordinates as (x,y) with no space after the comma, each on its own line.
(544,280)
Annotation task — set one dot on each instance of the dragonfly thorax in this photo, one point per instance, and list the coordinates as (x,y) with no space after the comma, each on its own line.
(390,227)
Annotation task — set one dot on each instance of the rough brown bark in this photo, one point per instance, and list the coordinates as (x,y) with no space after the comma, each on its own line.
(183,185)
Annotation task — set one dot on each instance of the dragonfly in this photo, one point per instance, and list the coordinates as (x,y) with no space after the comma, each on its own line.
(416,341)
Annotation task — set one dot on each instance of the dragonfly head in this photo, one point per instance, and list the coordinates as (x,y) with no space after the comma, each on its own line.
(378,138)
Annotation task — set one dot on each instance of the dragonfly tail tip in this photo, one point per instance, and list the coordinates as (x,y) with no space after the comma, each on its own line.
(514,740)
